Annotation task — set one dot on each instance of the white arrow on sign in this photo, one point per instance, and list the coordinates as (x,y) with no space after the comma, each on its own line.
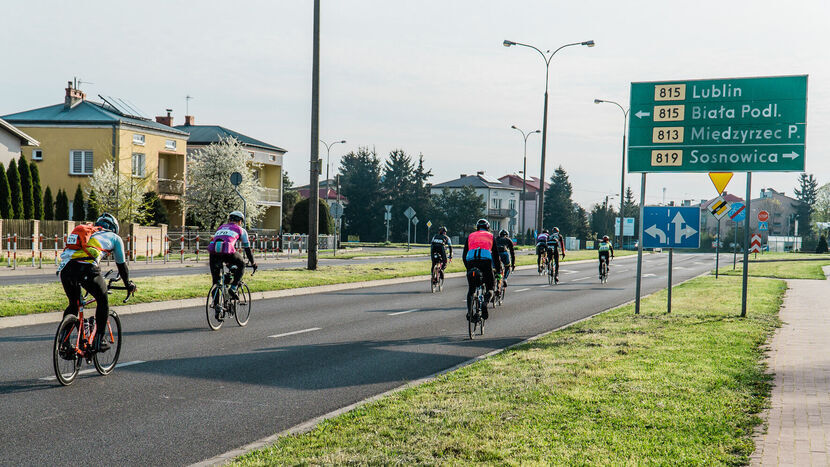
(642,114)
(684,232)
(657,233)
(790,155)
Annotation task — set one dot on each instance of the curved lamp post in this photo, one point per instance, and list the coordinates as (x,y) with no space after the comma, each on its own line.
(547,59)
(328,154)
(524,176)
(622,173)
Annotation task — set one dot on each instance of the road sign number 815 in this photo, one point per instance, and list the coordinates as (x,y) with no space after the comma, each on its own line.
(669,92)
(666,158)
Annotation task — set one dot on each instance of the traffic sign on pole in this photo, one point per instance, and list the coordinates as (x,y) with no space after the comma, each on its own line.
(720,180)
(762,225)
(737,212)
(336,210)
(409,213)
(719,125)
(719,207)
(755,244)
(763,216)
(671,227)
(429,224)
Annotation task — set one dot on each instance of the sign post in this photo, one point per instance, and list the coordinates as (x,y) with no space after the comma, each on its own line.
(737,213)
(429,224)
(409,213)
(415,234)
(336,212)
(718,125)
(236,180)
(387,217)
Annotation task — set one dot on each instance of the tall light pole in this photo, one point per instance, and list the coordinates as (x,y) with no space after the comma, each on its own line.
(622,172)
(328,154)
(314,179)
(524,176)
(547,59)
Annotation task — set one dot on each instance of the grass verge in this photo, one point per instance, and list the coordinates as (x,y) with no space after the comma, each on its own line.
(617,389)
(781,269)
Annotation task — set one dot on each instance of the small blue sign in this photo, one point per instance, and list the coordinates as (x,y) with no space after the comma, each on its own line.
(738,212)
(671,227)
(763,226)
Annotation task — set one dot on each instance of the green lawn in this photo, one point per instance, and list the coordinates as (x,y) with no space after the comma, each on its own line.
(782,269)
(617,389)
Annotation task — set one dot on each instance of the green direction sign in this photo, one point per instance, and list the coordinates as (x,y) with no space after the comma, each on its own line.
(718,125)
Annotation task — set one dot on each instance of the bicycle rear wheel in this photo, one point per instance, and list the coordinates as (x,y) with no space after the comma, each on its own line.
(65,358)
(550,275)
(213,307)
(105,361)
(243,305)
(434,278)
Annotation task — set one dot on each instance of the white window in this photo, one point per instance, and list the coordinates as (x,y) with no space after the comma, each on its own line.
(138,139)
(138,165)
(80,162)
(273,158)
(496,203)
(512,204)
(37,155)
(170,144)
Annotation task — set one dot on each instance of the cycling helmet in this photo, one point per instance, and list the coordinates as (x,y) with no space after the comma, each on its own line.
(605,238)
(236,216)
(556,230)
(545,231)
(108,222)
(503,233)
(482,224)
(442,230)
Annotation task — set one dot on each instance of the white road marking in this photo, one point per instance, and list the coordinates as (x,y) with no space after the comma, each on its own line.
(522,290)
(565,271)
(295,332)
(582,279)
(649,275)
(678,267)
(93,370)
(407,311)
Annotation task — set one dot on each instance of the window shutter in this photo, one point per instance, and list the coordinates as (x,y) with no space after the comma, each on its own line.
(76,162)
(88,162)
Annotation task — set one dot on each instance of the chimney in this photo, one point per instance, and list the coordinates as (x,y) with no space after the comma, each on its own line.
(189,120)
(73,96)
(463,175)
(480,172)
(168,120)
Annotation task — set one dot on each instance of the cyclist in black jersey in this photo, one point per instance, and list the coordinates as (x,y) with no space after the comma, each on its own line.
(440,249)
(555,247)
(507,255)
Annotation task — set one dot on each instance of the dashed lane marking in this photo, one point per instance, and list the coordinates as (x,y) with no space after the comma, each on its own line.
(523,290)
(405,312)
(582,279)
(296,332)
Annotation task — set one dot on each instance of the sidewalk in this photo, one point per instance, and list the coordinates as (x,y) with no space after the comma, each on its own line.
(798,420)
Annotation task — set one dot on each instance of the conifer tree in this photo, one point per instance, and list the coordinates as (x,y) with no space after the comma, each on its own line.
(5,195)
(48,205)
(25,188)
(15,190)
(78,208)
(61,206)
(37,192)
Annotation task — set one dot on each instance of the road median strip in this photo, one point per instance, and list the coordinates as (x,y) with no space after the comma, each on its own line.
(613,389)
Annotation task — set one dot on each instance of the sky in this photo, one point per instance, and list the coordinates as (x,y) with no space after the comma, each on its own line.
(429,77)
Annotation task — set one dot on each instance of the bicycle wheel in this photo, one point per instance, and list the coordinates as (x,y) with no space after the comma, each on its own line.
(213,308)
(479,314)
(550,275)
(502,294)
(65,359)
(471,315)
(441,281)
(243,305)
(433,279)
(105,361)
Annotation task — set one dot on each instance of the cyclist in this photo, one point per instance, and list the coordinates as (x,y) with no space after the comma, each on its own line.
(438,249)
(541,248)
(507,255)
(79,268)
(480,252)
(605,248)
(555,246)
(223,249)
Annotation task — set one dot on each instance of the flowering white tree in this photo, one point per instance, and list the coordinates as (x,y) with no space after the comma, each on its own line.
(209,196)
(118,194)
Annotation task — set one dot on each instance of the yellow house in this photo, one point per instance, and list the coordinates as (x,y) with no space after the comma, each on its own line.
(79,135)
(267,156)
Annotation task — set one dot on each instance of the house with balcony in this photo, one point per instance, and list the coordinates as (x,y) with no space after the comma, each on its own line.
(531,198)
(502,198)
(11,142)
(78,135)
(267,160)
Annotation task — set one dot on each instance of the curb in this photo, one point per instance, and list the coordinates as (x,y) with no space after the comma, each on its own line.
(309,425)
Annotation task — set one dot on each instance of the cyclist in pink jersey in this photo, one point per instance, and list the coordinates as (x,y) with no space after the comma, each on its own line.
(224,249)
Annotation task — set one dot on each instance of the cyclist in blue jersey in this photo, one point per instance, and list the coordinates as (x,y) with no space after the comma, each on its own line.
(79,269)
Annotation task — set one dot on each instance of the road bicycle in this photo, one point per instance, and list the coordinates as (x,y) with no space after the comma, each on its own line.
(603,270)
(475,305)
(501,290)
(549,268)
(74,340)
(221,305)
(436,280)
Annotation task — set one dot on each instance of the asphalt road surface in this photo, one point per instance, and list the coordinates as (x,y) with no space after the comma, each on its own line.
(183,393)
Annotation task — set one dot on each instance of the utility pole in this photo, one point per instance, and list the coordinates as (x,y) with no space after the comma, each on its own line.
(314,183)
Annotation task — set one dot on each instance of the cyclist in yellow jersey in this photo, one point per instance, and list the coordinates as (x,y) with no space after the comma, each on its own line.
(605,249)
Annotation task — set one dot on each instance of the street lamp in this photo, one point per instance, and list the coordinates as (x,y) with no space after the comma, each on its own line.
(524,176)
(547,59)
(622,172)
(328,151)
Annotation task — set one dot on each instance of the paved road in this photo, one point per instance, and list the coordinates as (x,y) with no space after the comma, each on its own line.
(197,393)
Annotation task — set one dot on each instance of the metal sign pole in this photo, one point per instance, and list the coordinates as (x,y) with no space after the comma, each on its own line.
(408,233)
(671,251)
(640,245)
(746,242)
(717,252)
(735,248)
